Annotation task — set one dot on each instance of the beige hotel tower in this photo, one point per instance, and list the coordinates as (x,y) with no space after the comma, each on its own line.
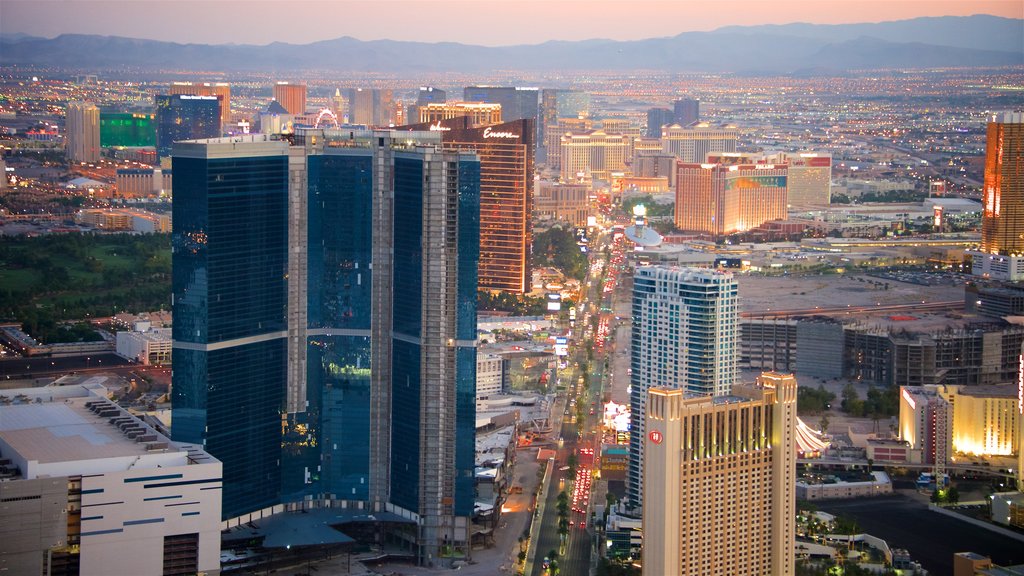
(719,481)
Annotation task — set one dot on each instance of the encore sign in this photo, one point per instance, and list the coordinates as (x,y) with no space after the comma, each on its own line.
(489,134)
(656,436)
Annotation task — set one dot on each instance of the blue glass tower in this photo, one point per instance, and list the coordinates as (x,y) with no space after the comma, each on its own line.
(229,287)
(185,117)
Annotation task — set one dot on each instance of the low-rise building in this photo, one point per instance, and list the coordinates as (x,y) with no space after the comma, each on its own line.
(832,488)
(87,487)
(145,344)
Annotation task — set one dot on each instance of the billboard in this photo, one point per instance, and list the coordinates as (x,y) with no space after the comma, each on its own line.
(554,301)
(561,346)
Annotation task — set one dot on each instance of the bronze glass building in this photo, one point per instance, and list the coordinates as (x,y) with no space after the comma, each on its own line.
(1002,225)
(506,195)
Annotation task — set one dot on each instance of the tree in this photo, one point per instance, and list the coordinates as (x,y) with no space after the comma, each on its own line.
(952,495)
(823,423)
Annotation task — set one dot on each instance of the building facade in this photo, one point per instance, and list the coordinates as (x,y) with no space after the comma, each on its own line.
(185,117)
(686,111)
(1002,224)
(222,89)
(371,107)
(479,113)
(720,481)
(291,96)
(685,336)
(516,102)
(593,155)
(83,132)
(692,144)
(719,200)
(367,334)
(87,488)
(130,130)
(566,202)
(657,118)
(506,154)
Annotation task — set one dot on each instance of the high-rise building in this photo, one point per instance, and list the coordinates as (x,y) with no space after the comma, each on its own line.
(83,132)
(693,143)
(371,107)
(387,427)
(506,196)
(594,154)
(185,117)
(686,111)
(685,336)
(516,102)
(1002,221)
(719,199)
(657,118)
(479,113)
(569,203)
(559,103)
(221,89)
(230,254)
(808,177)
(720,481)
(292,96)
(129,130)
(425,95)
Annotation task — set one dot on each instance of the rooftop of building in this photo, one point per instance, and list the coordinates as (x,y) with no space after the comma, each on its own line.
(989,391)
(77,424)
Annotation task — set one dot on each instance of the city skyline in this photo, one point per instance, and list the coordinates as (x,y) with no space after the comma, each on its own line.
(404,19)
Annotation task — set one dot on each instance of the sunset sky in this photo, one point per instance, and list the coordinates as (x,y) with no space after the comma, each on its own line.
(486,22)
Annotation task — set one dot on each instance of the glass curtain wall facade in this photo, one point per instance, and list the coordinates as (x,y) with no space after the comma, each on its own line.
(127,129)
(229,286)
(185,117)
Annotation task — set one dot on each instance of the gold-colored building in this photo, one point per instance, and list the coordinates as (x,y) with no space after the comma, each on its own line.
(479,113)
(221,89)
(291,96)
(719,200)
(720,481)
(592,155)
(1002,224)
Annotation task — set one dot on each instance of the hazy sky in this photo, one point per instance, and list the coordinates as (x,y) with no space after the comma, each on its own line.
(487,22)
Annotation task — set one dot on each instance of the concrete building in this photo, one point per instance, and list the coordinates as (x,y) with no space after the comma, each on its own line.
(145,345)
(592,155)
(686,111)
(124,220)
(371,107)
(490,375)
(833,488)
(222,89)
(143,183)
(809,177)
(479,113)
(1002,225)
(657,119)
(560,103)
(926,419)
(565,202)
(516,102)
(291,96)
(86,488)
(719,199)
(720,481)
(685,336)
(82,128)
(692,144)
(650,164)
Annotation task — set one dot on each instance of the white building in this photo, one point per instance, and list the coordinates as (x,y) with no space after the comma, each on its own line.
(82,127)
(489,375)
(83,482)
(145,345)
(685,335)
(692,144)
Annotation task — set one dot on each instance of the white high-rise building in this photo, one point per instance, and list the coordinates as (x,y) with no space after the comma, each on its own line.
(685,335)
(82,128)
(692,144)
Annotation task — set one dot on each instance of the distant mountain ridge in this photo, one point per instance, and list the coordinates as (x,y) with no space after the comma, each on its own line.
(968,41)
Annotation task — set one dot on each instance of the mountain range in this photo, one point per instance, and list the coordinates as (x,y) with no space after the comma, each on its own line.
(951,41)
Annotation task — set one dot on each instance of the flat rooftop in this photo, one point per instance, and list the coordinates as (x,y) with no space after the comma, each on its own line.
(44,429)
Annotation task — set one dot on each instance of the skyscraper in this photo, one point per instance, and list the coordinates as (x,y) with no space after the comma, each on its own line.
(808,177)
(686,111)
(720,481)
(559,103)
(292,96)
(371,106)
(592,154)
(221,89)
(1002,223)
(230,253)
(506,196)
(185,117)
(719,199)
(425,95)
(83,132)
(516,102)
(685,336)
(127,129)
(382,427)
(656,118)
